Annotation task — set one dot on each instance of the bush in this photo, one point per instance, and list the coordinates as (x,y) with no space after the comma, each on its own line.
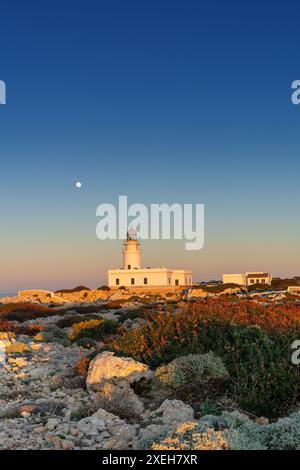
(217,288)
(55,331)
(13,327)
(17,348)
(25,311)
(191,436)
(259,286)
(209,407)
(85,309)
(105,288)
(245,434)
(194,375)
(136,313)
(71,320)
(233,431)
(47,337)
(86,343)
(253,341)
(95,329)
(71,291)
(82,365)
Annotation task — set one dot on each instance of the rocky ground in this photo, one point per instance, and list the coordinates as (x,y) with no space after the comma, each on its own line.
(45,403)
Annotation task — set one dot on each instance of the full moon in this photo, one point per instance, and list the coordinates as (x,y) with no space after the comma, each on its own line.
(78,184)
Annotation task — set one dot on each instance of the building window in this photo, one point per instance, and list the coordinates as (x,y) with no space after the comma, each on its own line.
(257,281)
(176,282)
(169,280)
(132,280)
(117,281)
(263,281)
(129,266)
(145,280)
(252,281)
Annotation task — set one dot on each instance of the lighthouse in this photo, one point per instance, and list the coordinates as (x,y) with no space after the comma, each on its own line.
(131,251)
(132,274)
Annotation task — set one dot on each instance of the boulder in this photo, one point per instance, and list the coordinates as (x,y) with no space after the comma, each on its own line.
(173,412)
(111,377)
(199,294)
(107,367)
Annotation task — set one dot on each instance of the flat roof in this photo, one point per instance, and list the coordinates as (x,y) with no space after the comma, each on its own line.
(258,275)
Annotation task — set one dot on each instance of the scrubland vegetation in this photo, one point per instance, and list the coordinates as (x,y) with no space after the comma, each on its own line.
(253,341)
(221,365)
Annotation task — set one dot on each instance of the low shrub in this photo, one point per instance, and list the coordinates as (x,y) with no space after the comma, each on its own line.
(193,376)
(136,313)
(82,365)
(105,288)
(209,407)
(95,329)
(25,311)
(47,337)
(85,309)
(258,286)
(71,320)
(86,343)
(13,327)
(233,431)
(191,436)
(17,348)
(55,331)
(217,288)
(71,291)
(29,330)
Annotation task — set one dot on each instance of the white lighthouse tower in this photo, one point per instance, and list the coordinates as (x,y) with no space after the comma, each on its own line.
(131,251)
(133,275)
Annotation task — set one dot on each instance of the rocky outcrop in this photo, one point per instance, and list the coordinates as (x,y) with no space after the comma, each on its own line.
(110,379)
(173,412)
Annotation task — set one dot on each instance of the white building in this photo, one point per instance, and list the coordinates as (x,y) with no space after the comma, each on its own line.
(294,290)
(132,274)
(247,279)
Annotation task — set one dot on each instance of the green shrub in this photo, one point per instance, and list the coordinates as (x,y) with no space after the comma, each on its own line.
(50,338)
(70,320)
(95,329)
(136,313)
(194,375)
(209,407)
(55,331)
(86,343)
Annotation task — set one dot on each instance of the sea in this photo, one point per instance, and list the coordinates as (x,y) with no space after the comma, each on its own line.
(7,294)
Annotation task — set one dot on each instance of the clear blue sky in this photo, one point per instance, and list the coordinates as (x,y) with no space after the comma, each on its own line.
(164,101)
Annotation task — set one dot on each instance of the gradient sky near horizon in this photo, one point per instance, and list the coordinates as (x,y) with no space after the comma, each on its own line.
(162,101)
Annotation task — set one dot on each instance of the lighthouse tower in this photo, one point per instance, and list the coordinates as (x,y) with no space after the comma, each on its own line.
(131,251)
(134,276)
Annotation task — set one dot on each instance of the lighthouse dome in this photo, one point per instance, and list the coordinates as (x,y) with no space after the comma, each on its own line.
(131,234)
